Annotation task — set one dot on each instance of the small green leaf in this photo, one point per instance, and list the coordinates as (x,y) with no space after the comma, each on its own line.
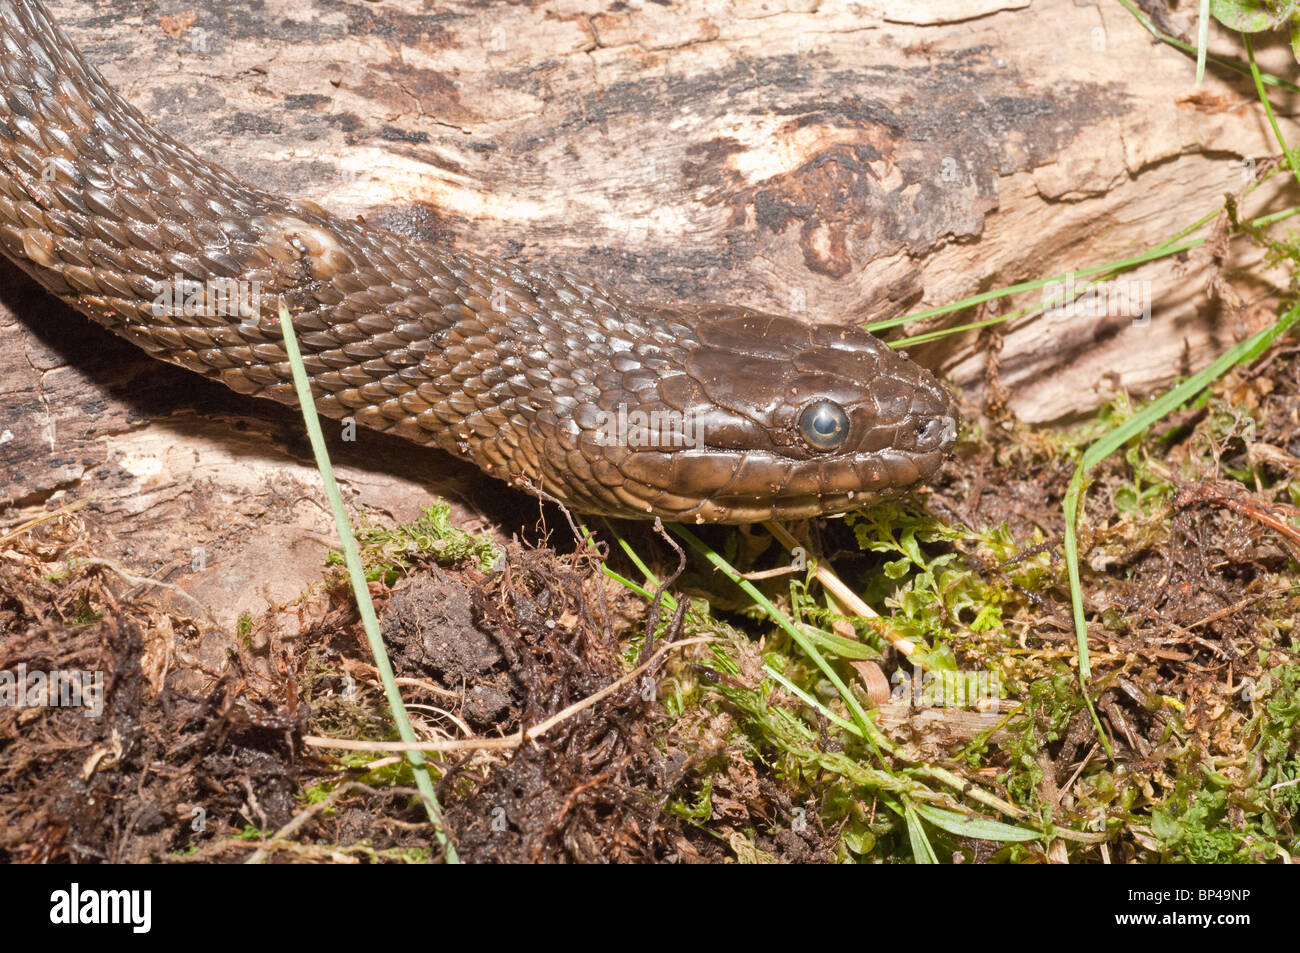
(1248,16)
(977,827)
(897,568)
(922,852)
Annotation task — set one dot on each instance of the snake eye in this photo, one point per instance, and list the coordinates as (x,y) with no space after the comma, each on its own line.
(824,425)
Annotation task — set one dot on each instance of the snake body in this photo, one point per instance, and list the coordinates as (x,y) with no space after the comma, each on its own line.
(562,386)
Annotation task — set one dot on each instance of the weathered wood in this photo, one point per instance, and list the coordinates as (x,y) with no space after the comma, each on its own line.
(848,161)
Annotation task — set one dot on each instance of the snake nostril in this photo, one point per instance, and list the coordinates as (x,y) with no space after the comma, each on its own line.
(935,432)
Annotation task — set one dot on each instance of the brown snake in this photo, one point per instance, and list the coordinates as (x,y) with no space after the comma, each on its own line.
(614,406)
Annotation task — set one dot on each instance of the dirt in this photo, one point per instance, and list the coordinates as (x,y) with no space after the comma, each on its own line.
(429,625)
(198,763)
(161,764)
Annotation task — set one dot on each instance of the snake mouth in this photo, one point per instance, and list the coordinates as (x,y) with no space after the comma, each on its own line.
(738,510)
(706,486)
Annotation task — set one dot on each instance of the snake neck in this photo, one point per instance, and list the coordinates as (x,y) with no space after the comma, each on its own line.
(439,346)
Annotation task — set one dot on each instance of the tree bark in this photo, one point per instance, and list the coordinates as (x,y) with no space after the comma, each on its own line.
(844,161)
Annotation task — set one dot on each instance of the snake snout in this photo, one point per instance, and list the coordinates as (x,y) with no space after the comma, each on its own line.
(935,433)
(932,420)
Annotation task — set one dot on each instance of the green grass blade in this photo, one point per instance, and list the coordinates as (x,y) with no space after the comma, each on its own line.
(1268,108)
(922,851)
(361,591)
(839,646)
(977,827)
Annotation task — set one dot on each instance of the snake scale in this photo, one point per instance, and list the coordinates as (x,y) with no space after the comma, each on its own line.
(570,389)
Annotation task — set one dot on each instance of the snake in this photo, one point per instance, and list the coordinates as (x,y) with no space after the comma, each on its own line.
(606,403)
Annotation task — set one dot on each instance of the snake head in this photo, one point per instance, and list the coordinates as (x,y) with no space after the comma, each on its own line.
(761,417)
